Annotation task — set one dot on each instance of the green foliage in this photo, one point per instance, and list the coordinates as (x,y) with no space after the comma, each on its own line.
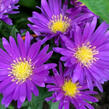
(37,102)
(53,105)
(7,30)
(99,7)
(28,3)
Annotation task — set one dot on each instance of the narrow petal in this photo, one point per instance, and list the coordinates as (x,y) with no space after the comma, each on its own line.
(33,88)
(46,67)
(21,46)
(14,46)
(67,42)
(7,47)
(77,35)
(27,41)
(43,59)
(45,7)
(22,93)
(29,93)
(63,51)
(77,72)
(34,49)
(16,93)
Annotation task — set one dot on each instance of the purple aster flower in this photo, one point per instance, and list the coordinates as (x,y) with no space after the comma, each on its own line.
(65,91)
(22,68)
(87,53)
(54,19)
(7,7)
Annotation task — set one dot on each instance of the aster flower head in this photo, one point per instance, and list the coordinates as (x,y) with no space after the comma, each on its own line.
(87,53)
(22,68)
(67,92)
(7,7)
(54,19)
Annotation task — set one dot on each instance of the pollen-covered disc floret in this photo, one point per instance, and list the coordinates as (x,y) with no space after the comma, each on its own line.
(59,23)
(86,54)
(70,88)
(21,69)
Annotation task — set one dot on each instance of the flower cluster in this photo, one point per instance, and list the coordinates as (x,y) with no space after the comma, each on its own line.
(84,49)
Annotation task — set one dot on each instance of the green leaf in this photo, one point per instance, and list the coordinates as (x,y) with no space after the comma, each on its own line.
(53,105)
(25,104)
(1,45)
(99,7)
(21,20)
(7,30)
(37,101)
(11,107)
(13,32)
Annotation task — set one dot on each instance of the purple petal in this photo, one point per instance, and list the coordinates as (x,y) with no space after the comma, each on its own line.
(89,29)
(14,46)
(7,20)
(6,57)
(22,93)
(29,94)
(42,52)
(89,79)
(27,41)
(45,7)
(34,49)
(19,104)
(4,83)
(60,69)
(77,35)
(77,72)
(44,58)
(33,88)
(68,42)
(6,100)
(99,86)
(9,89)
(66,105)
(46,67)
(7,47)
(21,46)
(63,51)
(59,96)
(16,93)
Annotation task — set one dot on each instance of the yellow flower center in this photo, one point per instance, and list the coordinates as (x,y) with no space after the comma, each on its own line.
(70,88)
(21,70)
(85,54)
(59,23)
